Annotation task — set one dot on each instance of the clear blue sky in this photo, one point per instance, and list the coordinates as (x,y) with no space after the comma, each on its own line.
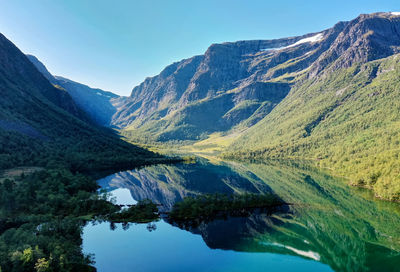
(115,45)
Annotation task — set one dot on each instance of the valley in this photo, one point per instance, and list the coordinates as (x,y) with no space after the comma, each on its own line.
(327,97)
(278,154)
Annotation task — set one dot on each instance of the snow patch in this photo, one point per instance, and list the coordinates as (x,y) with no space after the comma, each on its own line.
(312,39)
(395,13)
(274,48)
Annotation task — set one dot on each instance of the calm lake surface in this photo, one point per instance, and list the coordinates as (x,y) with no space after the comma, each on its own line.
(330,227)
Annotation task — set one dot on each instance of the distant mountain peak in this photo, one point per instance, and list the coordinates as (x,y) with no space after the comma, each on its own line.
(97,103)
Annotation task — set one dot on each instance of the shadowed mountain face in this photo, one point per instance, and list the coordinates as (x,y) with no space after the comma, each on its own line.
(234,85)
(329,222)
(41,125)
(99,105)
(20,78)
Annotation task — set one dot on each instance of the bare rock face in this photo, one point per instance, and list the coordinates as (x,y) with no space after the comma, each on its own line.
(366,38)
(156,93)
(198,95)
(232,81)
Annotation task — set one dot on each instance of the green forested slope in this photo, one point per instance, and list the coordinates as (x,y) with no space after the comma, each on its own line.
(347,120)
(40,125)
(42,214)
(35,132)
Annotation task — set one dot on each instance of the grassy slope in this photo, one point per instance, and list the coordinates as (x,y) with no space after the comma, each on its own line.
(348,120)
(200,119)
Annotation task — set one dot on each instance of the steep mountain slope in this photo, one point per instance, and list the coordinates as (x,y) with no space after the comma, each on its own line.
(344,111)
(39,123)
(329,96)
(98,104)
(234,85)
(23,72)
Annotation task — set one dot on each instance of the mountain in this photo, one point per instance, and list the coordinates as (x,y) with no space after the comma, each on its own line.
(217,91)
(328,96)
(16,70)
(98,104)
(343,112)
(40,124)
(234,85)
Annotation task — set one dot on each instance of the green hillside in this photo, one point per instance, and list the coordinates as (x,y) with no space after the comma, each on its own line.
(347,120)
(48,150)
(40,125)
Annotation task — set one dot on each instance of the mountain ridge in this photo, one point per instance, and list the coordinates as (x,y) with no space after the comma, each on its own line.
(345,117)
(40,124)
(236,78)
(15,62)
(328,96)
(98,104)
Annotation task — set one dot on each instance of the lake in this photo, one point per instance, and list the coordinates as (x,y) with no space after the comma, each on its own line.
(329,227)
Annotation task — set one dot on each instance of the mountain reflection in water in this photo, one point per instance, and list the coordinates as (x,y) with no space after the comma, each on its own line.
(330,222)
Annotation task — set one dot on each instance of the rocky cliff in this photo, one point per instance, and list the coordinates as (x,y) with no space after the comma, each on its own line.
(234,85)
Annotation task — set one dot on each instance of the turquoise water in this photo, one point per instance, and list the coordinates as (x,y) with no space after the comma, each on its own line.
(331,227)
(169,248)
